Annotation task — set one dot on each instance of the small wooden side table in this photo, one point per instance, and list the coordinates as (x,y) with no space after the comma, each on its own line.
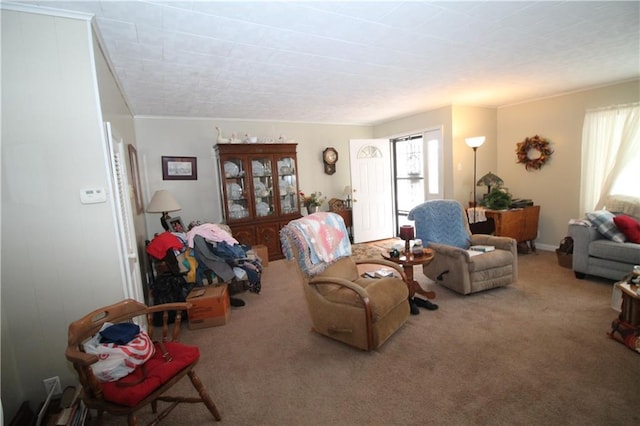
(407,263)
(630,303)
(626,328)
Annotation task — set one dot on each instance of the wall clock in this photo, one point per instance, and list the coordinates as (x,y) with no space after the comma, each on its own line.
(330,157)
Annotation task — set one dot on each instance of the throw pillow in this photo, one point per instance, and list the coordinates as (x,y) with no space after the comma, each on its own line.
(629,227)
(603,221)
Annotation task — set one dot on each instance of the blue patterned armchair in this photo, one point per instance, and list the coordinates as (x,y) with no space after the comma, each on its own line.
(442,225)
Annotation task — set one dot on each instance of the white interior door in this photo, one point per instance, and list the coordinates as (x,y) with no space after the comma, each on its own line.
(130,264)
(370,163)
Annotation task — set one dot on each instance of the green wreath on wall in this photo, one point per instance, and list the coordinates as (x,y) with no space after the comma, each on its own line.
(533,152)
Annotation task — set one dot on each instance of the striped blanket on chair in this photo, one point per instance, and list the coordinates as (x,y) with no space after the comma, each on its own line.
(321,238)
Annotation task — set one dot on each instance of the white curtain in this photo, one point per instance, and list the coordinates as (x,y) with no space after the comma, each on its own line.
(610,145)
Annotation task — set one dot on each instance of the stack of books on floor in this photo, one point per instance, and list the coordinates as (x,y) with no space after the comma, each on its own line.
(64,408)
(74,411)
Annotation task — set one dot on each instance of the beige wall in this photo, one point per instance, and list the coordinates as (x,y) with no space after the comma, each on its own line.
(556,186)
(59,257)
(195,138)
(469,122)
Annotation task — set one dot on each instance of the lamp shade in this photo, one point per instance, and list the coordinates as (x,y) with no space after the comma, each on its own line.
(475,141)
(407,232)
(490,180)
(163,202)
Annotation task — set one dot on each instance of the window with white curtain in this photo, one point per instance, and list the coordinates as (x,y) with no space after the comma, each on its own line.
(610,155)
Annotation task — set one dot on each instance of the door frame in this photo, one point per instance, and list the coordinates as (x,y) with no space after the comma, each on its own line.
(123,216)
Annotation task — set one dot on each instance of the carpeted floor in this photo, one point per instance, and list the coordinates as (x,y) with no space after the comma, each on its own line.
(533,353)
(373,249)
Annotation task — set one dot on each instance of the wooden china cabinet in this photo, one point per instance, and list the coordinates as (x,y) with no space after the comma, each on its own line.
(259,187)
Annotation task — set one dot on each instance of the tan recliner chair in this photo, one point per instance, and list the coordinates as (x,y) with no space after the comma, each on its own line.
(361,312)
(443,226)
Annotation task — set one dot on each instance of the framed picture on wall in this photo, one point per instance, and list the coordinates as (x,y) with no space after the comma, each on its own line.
(176,225)
(179,168)
(135,179)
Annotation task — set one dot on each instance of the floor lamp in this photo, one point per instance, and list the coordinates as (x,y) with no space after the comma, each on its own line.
(474,143)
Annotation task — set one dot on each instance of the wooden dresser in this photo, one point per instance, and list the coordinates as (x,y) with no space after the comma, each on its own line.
(519,224)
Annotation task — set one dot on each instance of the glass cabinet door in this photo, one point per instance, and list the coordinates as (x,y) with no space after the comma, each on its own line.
(262,186)
(287,185)
(236,188)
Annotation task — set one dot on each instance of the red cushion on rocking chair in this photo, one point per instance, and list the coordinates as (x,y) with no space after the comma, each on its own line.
(156,372)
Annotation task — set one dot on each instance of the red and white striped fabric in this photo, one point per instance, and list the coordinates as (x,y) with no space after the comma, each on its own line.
(117,361)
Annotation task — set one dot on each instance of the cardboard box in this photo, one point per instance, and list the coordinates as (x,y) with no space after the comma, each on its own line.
(262,252)
(210,306)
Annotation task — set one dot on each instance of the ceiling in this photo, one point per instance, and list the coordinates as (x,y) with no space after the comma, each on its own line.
(358,62)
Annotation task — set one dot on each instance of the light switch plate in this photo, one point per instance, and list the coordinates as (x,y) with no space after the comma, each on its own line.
(93,195)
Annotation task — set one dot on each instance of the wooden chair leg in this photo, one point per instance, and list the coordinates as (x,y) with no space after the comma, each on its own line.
(195,380)
(99,415)
(132,420)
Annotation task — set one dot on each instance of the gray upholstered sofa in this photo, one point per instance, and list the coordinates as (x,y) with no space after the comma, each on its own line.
(595,254)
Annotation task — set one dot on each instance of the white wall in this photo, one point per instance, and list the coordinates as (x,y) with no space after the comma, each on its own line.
(116,111)
(59,257)
(200,199)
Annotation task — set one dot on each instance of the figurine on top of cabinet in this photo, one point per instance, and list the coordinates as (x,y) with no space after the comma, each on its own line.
(221,138)
(234,138)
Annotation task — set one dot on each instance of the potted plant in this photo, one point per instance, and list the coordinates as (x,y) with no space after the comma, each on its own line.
(312,201)
(497,199)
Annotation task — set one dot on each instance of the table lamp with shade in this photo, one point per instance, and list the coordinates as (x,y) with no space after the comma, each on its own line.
(163,202)
(407,233)
(490,180)
(347,194)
